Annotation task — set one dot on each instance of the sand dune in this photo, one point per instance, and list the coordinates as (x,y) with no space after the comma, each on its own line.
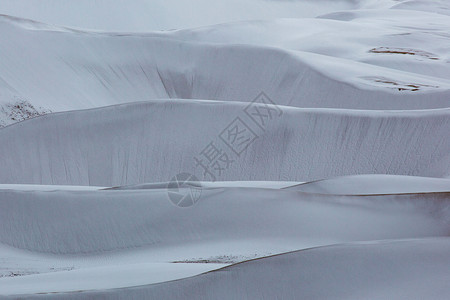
(298,150)
(285,58)
(153,141)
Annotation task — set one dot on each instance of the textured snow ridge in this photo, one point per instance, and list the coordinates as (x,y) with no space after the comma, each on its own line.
(286,58)
(373,270)
(153,141)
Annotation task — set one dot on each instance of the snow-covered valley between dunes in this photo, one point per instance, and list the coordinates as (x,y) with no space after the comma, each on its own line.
(242,149)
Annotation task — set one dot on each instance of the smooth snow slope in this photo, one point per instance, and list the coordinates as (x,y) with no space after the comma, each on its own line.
(101,278)
(77,222)
(146,15)
(154,141)
(405,269)
(375,37)
(131,238)
(371,271)
(374,184)
(379,59)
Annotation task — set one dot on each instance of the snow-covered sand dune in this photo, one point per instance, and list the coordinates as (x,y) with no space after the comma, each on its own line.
(362,120)
(71,222)
(385,270)
(380,60)
(110,233)
(149,15)
(153,141)
(374,184)
(396,269)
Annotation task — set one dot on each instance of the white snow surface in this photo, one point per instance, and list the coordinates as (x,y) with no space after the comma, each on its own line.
(380,58)
(405,269)
(95,221)
(155,140)
(135,237)
(343,194)
(41,187)
(375,184)
(146,15)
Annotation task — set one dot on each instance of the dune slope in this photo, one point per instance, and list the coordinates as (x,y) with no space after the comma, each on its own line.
(154,141)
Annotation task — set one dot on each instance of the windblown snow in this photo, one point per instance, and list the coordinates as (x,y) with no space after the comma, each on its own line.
(339,187)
